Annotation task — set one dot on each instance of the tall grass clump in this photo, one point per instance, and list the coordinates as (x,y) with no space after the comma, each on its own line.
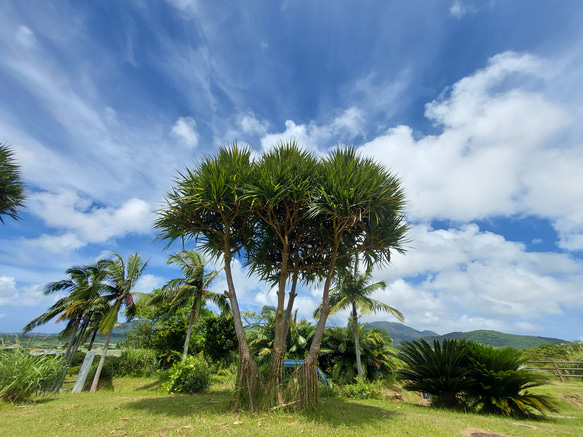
(138,363)
(23,376)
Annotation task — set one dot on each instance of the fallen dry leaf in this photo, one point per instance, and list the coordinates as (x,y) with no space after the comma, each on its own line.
(237,422)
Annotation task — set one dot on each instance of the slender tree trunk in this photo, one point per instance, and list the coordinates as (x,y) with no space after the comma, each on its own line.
(78,340)
(189,330)
(356,340)
(248,384)
(278,352)
(92,339)
(72,338)
(309,393)
(290,307)
(101,361)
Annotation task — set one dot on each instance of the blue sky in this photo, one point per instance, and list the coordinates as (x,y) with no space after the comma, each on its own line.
(476,105)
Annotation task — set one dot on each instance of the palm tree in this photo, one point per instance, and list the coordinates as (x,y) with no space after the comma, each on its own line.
(119,280)
(191,288)
(11,186)
(78,307)
(353,290)
(207,206)
(338,349)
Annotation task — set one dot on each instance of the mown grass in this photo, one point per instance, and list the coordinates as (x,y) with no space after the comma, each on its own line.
(137,407)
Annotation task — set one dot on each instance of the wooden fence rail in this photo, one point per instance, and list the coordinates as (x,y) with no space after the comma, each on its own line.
(559,371)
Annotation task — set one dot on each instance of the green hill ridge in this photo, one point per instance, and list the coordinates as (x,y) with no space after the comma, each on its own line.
(400,332)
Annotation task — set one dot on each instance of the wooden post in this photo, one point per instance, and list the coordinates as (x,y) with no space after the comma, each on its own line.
(558,371)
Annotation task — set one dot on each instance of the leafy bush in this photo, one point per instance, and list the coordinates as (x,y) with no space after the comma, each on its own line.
(23,376)
(220,343)
(191,376)
(109,370)
(78,358)
(137,362)
(360,390)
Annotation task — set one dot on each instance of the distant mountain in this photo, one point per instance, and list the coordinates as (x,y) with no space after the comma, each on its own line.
(400,332)
(495,338)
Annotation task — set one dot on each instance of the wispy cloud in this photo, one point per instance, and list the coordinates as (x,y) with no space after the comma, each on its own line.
(185,131)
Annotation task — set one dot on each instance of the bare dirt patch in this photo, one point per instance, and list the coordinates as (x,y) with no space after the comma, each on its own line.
(476,432)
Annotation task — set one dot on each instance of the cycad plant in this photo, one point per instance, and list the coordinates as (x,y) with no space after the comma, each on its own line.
(484,378)
(500,383)
(440,370)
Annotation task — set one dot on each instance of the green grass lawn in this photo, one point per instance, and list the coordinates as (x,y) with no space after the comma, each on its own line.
(137,407)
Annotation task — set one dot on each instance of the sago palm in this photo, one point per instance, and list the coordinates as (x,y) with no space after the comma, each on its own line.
(501,383)
(438,370)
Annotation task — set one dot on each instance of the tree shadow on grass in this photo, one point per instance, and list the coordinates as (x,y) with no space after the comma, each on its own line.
(183,405)
(335,412)
(342,412)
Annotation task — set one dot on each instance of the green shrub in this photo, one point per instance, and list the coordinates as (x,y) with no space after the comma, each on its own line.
(138,363)
(109,370)
(191,376)
(78,358)
(23,376)
(360,390)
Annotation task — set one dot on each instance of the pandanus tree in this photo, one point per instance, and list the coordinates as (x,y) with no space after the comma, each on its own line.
(120,278)
(359,205)
(288,214)
(279,192)
(11,186)
(207,206)
(353,291)
(191,289)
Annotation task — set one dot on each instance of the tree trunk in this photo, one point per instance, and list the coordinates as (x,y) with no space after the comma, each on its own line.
(308,375)
(189,330)
(278,352)
(72,338)
(101,361)
(248,387)
(79,338)
(92,340)
(356,340)
(290,307)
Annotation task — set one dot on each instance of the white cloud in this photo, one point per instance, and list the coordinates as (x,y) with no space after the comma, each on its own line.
(463,279)
(460,8)
(61,244)
(26,37)
(10,295)
(89,222)
(148,282)
(185,130)
(346,126)
(500,132)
